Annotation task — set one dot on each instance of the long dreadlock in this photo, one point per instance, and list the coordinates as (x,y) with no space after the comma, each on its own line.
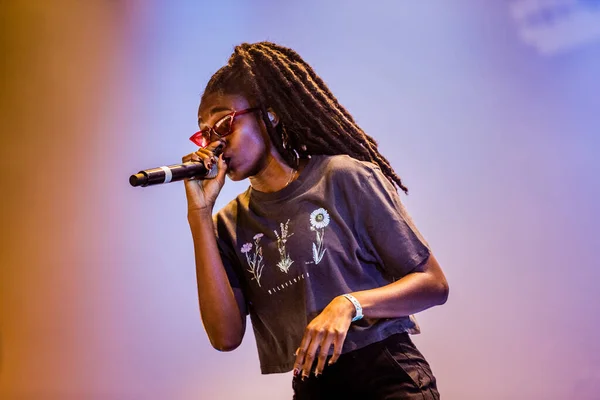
(311,119)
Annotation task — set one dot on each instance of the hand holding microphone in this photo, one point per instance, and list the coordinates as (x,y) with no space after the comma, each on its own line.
(202,193)
(203,171)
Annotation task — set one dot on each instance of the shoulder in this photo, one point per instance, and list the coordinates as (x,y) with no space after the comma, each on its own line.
(344,166)
(348,173)
(345,172)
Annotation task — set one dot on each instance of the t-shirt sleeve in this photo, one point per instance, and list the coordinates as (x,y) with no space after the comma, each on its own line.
(385,228)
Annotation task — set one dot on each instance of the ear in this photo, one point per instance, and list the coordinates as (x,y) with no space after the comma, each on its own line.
(273,117)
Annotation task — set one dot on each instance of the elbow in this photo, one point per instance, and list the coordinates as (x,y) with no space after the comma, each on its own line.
(226,339)
(225,345)
(443,290)
(225,336)
(437,285)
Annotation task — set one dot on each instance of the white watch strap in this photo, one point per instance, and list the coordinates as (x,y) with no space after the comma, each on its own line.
(357,307)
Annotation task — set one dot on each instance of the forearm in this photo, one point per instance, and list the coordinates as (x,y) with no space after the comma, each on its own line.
(421,289)
(414,292)
(220,313)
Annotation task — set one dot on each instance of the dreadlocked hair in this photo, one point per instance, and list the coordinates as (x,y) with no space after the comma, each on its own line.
(312,121)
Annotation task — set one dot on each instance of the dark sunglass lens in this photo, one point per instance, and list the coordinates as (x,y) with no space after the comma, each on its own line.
(223,127)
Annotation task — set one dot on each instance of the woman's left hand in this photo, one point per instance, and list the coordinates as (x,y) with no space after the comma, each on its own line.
(329,328)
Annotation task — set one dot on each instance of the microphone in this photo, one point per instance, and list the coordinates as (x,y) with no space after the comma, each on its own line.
(175,172)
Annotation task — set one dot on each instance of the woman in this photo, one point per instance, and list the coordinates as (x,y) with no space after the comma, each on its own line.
(319,250)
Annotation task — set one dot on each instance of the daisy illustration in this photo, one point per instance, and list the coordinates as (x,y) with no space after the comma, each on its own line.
(319,219)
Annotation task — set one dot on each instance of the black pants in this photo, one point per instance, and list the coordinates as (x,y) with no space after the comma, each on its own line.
(390,369)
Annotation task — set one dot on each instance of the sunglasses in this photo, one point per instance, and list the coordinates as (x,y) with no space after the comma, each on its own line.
(221,128)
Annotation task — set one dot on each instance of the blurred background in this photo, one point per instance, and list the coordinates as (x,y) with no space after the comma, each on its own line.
(489,111)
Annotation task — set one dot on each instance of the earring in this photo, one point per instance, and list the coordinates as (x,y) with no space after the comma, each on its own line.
(284,137)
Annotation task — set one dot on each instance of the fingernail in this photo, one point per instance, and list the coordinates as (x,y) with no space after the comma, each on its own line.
(317,373)
(304,376)
(296,371)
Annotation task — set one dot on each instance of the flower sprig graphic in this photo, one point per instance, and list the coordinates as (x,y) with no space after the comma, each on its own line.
(255,261)
(285,262)
(319,219)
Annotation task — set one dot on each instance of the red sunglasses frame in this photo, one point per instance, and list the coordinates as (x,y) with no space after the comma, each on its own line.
(199,139)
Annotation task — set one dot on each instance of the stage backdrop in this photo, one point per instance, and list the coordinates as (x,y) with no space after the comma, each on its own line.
(489,111)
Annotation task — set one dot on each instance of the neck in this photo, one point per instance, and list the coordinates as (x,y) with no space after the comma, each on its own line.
(274,176)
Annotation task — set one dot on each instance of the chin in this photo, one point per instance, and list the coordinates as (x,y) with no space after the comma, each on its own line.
(235,176)
(237,172)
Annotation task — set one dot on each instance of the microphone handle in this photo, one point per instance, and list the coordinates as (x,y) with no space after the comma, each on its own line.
(172,173)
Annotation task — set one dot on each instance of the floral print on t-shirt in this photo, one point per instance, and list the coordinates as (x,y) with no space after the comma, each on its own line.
(319,220)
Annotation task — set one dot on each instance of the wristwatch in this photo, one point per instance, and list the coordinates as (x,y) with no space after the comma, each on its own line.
(357,306)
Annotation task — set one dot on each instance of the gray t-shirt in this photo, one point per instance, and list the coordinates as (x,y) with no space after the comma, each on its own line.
(339,228)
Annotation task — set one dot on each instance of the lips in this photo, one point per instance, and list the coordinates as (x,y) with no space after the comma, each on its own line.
(227,160)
